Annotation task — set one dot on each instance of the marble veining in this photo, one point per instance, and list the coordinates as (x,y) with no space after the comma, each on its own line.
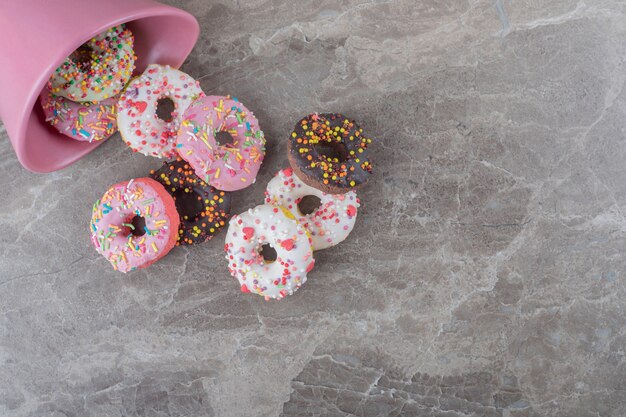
(484,277)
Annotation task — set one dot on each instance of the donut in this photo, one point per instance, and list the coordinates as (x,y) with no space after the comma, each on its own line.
(99,69)
(87,122)
(203,210)
(329,151)
(134,224)
(137,118)
(229,166)
(275,226)
(328,224)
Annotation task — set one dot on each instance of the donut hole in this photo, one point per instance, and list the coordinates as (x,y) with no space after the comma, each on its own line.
(332,151)
(139,224)
(189,205)
(165,109)
(224,138)
(309,204)
(268,253)
(82,56)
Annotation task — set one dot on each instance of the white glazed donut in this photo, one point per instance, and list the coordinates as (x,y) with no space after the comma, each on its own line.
(109,64)
(330,224)
(137,119)
(275,226)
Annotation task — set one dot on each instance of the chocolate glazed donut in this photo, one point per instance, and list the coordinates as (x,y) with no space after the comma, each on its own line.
(203,210)
(329,152)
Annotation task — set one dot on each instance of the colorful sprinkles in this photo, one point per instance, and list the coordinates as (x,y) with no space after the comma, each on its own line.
(107,63)
(87,122)
(229,166)
(203,210)
(347,167)
(113,228)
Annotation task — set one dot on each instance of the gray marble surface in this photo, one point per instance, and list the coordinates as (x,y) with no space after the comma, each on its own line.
(485,275)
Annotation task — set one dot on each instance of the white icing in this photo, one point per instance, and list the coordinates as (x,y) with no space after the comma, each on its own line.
(248,232)
(137,120)
(330,224)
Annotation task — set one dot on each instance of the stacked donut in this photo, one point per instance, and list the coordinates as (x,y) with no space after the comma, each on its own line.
(80,98)
(270,248)
(187,201)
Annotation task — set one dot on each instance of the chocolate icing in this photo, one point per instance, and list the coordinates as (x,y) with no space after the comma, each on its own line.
(203,209)
(331,151)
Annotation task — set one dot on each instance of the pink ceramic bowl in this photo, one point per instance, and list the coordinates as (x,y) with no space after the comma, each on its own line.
(37,35)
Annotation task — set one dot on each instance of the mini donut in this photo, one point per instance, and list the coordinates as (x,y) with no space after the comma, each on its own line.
(137,118)
(99,69)
(203,210)
(318,135)
(134,224)
(228,167)
(330,224)
(87,122)
(275,226)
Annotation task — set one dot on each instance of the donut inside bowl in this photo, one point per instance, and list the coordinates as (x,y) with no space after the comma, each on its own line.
(163,35)
(82,56)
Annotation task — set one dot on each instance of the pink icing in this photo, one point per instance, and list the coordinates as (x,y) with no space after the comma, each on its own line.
(112,214)
(228,167)
(87,122)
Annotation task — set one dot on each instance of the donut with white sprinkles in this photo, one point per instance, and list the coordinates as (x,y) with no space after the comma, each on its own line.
(99,69)
(273,226)
(84,122)
(137,120)
(328,224)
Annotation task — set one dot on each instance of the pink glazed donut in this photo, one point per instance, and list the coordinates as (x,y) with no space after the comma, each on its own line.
(86,122)
(227,167)
(134,224)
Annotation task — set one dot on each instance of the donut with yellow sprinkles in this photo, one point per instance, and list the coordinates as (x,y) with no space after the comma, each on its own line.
(97,70)
(329,152)
(203,210)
